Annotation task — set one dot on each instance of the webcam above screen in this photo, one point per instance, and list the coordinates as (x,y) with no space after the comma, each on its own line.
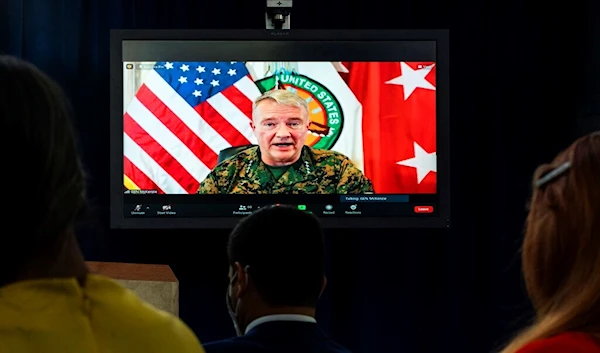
(352,127)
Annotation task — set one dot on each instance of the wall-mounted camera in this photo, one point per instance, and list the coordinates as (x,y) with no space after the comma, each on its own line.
(277,14)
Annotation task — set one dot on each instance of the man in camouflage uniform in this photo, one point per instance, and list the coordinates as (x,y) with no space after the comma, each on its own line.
(281,163)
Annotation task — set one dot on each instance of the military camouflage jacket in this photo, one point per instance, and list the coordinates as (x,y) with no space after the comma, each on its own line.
(316,172)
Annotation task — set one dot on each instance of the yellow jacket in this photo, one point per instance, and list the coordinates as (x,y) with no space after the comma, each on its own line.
(59,316)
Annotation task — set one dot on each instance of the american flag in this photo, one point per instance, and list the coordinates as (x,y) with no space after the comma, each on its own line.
(183,114)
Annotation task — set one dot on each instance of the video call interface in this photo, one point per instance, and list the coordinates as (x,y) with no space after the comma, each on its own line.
(190,148)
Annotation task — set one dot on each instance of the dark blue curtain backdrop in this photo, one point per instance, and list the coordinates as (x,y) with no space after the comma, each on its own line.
(524,83)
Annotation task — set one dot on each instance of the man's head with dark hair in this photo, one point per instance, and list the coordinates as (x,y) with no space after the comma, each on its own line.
(277,259)
(48,183)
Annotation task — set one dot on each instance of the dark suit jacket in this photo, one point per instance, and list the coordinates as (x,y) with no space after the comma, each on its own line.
(279,337)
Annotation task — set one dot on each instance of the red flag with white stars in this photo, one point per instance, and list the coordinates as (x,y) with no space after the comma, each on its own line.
(399,123)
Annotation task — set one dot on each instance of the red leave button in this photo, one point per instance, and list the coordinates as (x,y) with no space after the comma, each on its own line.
(423,209)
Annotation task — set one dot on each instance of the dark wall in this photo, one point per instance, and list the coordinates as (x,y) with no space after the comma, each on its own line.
(524,84)
(589,117)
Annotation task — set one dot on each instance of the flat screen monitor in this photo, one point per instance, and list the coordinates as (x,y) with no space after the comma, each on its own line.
(209,126)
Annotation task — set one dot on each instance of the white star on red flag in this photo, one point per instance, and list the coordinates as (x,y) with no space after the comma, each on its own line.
(423,162)
(412,79)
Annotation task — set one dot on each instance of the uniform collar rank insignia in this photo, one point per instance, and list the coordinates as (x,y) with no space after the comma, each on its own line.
(307,165)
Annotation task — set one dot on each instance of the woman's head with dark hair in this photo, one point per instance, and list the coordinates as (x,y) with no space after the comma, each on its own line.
(45,182)
(561,248)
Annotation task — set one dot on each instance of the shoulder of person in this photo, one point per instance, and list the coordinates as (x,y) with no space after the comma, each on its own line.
(246,155)
(241,159)
(138,321)
(321,156)
(232,345)
(572,342)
